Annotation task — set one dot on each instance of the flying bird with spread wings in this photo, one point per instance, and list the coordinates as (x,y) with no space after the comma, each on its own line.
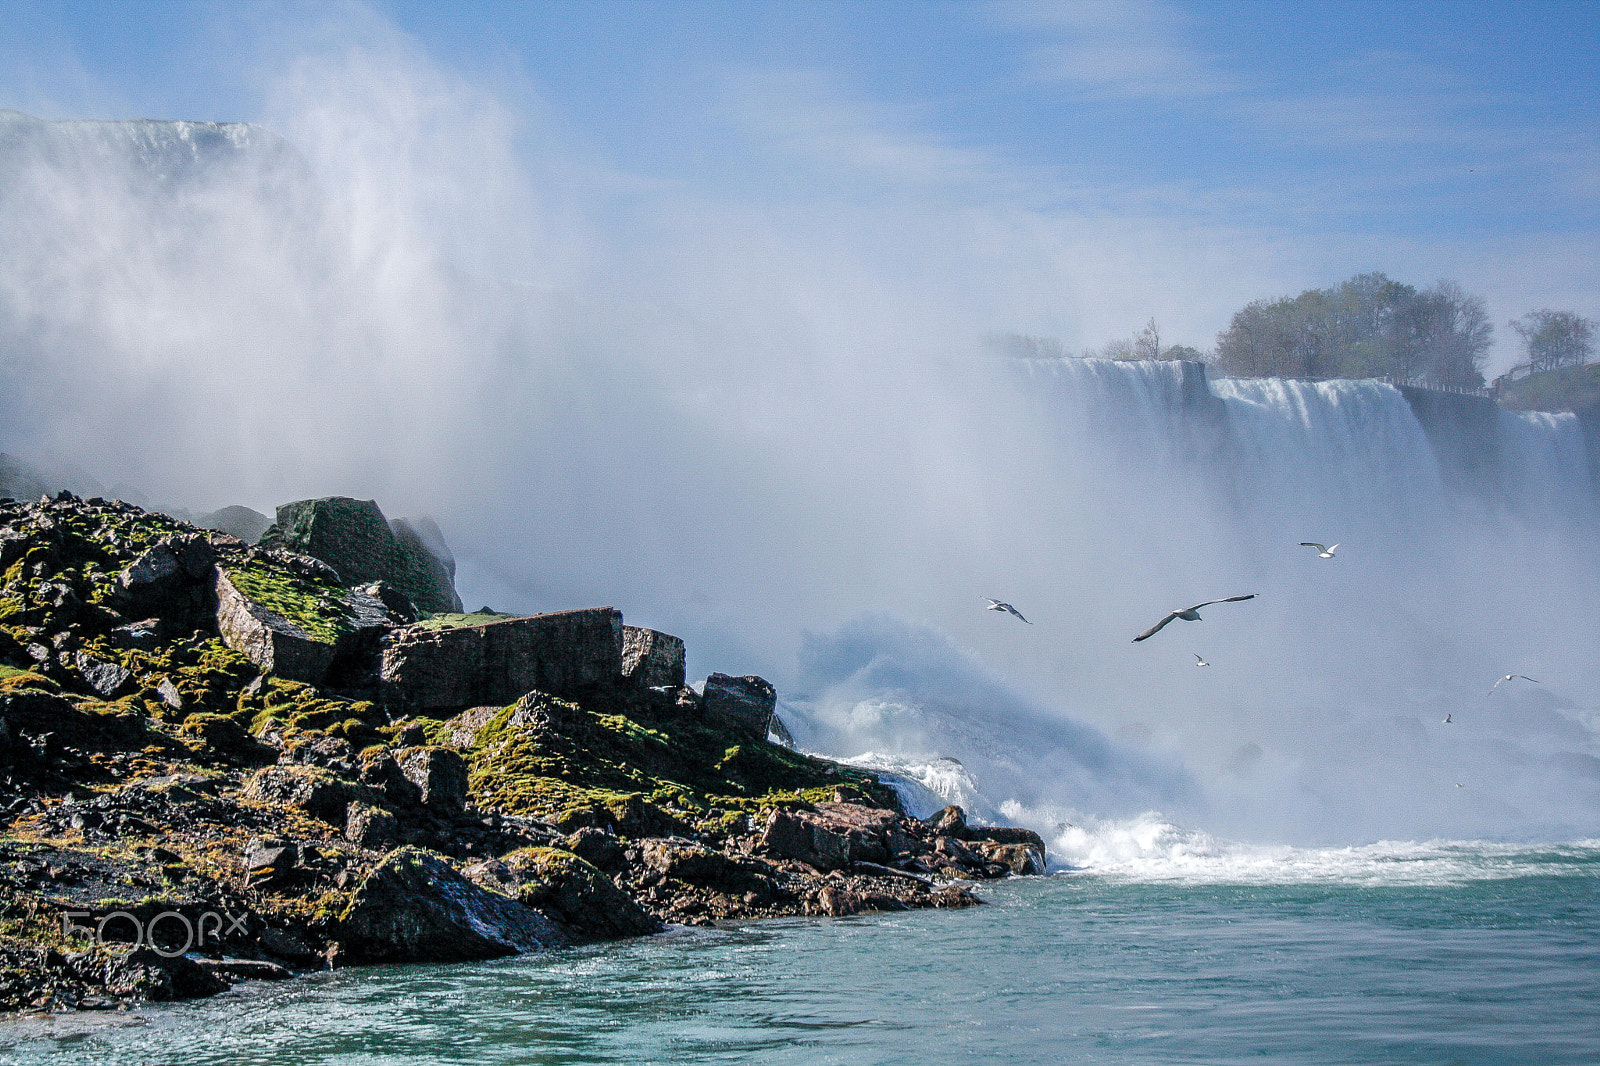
(996,605)
(1188,614)
(1508,677)
(1323,551)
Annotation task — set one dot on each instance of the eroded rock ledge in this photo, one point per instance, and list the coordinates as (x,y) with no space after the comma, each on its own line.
(225,762)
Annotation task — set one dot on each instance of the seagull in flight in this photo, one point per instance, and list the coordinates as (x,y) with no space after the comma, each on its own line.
(996,605)
(1197,660)
(1323,551)
(1188,614)
(1508,677)
(1446,719)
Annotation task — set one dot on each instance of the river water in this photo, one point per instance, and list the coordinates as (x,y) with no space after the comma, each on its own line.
(1433,953)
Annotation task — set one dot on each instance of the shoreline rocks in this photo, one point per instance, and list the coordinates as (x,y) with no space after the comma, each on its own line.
(229,754)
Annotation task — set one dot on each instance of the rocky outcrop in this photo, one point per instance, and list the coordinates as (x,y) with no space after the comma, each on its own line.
(275,644)
(439,774)
(360,544)
(743,704)
(415,907)
(568,890)
(568,653)
(651,659)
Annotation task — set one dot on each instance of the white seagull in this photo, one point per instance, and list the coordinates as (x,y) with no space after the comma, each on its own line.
(1508,677)
(1446,720)
(1197,660)
(1323,551)
(996,605)
(1188,614)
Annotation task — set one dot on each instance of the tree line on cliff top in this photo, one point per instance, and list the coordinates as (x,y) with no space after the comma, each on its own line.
(1367,326)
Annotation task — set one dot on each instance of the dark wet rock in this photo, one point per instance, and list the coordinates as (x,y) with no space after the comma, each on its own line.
(743,704)
(567,889)
(379,771)
(595,846)
(271,863)
(288,945)
(439,774)
(147,974)
(567,653)
(415,907)
(651,659)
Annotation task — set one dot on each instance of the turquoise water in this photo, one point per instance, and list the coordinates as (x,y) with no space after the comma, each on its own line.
(1447,955)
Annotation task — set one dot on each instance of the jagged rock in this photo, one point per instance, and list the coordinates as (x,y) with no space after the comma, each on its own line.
(685,860)
(567,888)
(355,539)
(310,788)
(381,772)
(948,821)
(439,774)
(107,680)
(1020,859)
(565,653)
(595,846)
(464,726)
(53,722)
(144,635)
(415,907)
(743,704)
(370,827)
(219,732)
(429,561)
(169,694)
(651,659)
(268,863)
(288,945)
(789,836)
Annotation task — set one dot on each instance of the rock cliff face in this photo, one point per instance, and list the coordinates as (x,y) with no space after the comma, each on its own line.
(288,772)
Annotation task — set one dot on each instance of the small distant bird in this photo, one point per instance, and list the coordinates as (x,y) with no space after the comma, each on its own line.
(996,605)
(1199,661)
(1460,785)
(1323,551)
(1188,614)
(1447,719)
(1508,677)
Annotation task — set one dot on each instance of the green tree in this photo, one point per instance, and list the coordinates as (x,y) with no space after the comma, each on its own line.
(1553,339)
(1367,326)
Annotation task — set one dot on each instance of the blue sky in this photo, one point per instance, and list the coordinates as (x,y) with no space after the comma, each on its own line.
(1068,169)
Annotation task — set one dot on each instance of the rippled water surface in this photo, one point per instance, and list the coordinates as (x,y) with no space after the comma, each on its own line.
(1460,957)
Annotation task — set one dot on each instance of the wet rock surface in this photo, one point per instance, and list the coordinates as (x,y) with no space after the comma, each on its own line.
(187,802)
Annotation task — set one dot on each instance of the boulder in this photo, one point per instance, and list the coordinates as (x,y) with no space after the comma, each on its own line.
(427,670)
(596,846)
(1020,859)
(144,973)
(439,774)
(948,821)
(415,907)
(651,659)
(568,889)
(355,538)
(270,641)
(270,863)
(742,704)
(309,788)
(372,827)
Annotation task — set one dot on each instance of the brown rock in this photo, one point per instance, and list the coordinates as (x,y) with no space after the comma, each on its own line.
(789,835)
